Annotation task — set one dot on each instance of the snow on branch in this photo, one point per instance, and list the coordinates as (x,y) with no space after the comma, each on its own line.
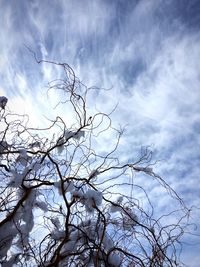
(82,207)
(3,102)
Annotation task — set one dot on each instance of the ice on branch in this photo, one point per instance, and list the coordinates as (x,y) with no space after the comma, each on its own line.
(3,102)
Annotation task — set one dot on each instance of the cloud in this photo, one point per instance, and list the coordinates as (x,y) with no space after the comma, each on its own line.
(145,51)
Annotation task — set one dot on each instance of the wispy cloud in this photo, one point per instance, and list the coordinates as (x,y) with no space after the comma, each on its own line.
(146,51)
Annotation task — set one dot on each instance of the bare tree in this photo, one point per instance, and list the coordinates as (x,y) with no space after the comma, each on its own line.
(63,203)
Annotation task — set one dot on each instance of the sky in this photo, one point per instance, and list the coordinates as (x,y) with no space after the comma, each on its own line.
(145,51)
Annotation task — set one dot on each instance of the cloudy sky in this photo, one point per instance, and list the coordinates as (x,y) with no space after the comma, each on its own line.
(147,51)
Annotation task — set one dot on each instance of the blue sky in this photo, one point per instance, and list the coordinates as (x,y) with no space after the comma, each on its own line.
(146,51)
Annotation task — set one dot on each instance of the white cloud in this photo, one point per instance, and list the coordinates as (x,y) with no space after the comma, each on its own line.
(154,73)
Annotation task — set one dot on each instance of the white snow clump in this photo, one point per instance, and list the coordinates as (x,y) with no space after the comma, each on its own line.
(130,220)
(67,135)
(16,179)
(7,234)
(92,198)
(114,208)
(57,235)
(23,158)
(114,260)
(76,135)
(67,185)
